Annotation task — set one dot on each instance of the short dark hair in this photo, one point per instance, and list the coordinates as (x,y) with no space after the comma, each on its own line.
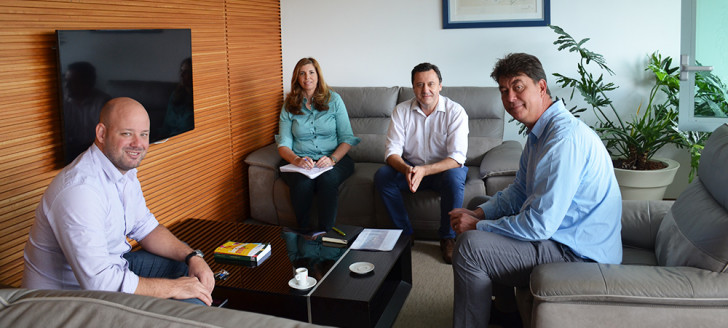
(514,64)
(424,67)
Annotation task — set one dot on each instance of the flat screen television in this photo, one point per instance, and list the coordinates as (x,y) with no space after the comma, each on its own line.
(153,67)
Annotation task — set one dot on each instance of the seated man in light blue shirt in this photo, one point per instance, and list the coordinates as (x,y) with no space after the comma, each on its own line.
(78,239)
(564,206)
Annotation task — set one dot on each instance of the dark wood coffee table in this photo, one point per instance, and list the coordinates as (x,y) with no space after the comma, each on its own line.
(340,298)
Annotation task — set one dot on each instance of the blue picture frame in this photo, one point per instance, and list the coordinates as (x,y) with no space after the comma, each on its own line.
(513,21)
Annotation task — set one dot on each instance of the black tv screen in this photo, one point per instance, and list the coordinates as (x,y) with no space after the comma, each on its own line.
(153,67)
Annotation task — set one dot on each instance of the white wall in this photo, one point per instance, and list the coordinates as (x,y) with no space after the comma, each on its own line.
(377,42)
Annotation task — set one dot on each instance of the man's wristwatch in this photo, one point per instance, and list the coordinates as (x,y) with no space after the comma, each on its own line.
(196,252)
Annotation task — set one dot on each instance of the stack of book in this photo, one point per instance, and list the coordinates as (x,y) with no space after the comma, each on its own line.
(248,254)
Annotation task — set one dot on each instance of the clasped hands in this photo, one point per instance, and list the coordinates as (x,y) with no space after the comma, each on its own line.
(414,176)
(461,219)
(308,163)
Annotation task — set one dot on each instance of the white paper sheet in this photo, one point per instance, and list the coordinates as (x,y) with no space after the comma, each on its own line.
(377,239)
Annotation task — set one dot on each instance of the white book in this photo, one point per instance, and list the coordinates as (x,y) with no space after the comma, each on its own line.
(310,173)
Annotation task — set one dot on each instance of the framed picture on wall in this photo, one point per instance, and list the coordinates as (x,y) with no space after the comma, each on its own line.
(495,13)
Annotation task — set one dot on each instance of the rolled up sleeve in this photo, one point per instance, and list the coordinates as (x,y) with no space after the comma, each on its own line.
(457,140)
(284,138)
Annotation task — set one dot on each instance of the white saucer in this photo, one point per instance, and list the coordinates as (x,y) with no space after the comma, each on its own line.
(361,267)
(310,282)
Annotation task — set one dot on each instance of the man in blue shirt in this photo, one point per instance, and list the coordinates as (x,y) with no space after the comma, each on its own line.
(564,205)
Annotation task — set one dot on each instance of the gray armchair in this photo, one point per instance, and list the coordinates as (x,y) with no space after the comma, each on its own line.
(673,273)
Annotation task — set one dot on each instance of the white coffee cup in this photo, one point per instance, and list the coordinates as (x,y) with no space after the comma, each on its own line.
(301,276)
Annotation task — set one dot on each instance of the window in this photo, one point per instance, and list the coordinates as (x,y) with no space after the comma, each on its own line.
(704,41)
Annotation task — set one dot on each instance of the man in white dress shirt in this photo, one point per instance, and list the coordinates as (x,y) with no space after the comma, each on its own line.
(426,145)
(78,239)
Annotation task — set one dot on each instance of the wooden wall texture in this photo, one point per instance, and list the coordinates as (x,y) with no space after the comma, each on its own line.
(236,54)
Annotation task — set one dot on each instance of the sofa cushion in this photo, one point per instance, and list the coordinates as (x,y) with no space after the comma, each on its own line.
(373,134)
(687,239)
(371,149)
(368,101)
(583,282)
(640,222)
(369,110)
(477,147)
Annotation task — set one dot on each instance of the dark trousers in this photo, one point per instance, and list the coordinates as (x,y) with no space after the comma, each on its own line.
(450,184)
(485,262)
(148,265)
(325,186)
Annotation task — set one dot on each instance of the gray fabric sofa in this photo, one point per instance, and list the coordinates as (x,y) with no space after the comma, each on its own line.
(492,162)
(674,270)
(21,308)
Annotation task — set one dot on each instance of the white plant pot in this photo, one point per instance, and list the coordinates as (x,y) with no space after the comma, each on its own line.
(646,184)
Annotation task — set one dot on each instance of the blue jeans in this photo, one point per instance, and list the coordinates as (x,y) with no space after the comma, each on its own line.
(148,265)
(326,186)
(450,184)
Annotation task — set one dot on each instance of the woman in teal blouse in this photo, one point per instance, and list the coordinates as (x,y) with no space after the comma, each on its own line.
(314,131)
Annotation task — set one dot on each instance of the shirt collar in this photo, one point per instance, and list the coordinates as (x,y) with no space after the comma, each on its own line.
(440,105)
(111,172)
(303,107)
(538,128)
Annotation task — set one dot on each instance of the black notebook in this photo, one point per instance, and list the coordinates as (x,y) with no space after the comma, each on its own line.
(336,237)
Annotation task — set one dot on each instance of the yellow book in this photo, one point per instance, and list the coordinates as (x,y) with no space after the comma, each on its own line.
(249,252)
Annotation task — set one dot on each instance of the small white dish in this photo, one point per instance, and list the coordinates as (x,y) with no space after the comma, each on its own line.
(310,282)
(361,267)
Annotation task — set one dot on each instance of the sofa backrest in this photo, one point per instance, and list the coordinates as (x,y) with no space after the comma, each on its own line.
(693,233)
(371,107)
(369,110)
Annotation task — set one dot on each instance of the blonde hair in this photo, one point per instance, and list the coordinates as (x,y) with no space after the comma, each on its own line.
(321,95)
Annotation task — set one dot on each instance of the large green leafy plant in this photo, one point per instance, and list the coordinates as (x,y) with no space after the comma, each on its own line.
(634,141)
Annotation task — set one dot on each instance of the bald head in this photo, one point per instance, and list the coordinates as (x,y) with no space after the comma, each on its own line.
(123,133)
(122,106)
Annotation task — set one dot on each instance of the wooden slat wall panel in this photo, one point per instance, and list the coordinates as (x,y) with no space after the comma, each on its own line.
(236,48)
(255,103)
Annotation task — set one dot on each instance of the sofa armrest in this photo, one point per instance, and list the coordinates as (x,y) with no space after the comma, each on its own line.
(262,174)
(501,160)
(640,221)
(266,157)
(633,284)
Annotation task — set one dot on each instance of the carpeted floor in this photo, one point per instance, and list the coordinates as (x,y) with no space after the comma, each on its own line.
(429,303)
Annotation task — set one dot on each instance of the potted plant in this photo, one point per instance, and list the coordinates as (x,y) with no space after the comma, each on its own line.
(632,142)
